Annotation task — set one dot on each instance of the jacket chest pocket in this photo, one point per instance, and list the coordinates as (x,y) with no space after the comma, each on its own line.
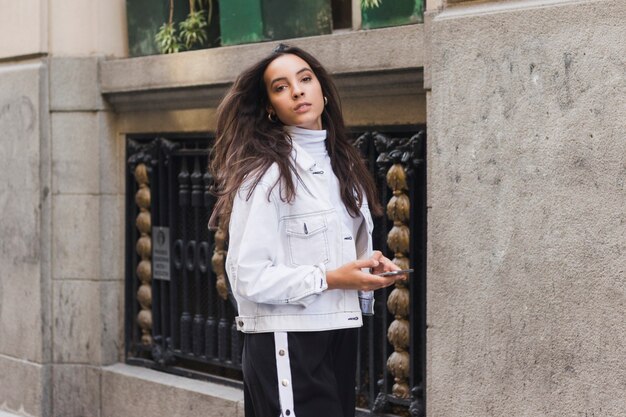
(307,239)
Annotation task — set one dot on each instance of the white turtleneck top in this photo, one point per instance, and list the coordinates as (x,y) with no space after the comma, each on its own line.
(313,142)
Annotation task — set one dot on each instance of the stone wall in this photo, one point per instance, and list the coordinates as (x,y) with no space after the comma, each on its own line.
(25,238)
(87,237)
(62,246)
(61,237)
(527,246)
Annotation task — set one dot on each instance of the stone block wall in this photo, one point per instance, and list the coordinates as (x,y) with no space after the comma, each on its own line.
(62,238)
(60,284)
(24,238)
(527,226)
(87,237)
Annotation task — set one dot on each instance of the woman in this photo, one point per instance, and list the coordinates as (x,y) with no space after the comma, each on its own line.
(296,192)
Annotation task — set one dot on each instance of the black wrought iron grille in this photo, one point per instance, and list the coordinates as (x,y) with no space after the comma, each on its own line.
(175,319)
(183,326)
(384,149)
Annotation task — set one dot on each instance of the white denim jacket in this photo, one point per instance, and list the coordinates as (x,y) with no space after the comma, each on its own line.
(279,252)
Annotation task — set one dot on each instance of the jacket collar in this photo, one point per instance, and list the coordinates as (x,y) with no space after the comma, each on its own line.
(301,157)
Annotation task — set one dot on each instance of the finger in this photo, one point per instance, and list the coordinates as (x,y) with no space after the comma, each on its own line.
(382,282)
(366,263)
(373,282)
(377,255)
(389,265)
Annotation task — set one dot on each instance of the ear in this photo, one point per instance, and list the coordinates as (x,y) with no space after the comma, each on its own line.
(270,109)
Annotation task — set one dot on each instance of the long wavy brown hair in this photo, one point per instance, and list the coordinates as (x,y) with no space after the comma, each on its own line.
(247,143)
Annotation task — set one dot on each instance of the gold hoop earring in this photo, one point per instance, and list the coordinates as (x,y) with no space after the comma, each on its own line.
(325,101)
(269,117)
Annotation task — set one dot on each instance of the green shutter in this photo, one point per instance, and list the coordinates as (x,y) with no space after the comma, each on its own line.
(240,21)
(245,21)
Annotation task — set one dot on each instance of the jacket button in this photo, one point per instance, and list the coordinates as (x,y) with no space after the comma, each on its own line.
(240,323)
(285,382)
(281,352)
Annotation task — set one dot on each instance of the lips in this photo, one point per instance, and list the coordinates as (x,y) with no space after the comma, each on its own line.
(302,107)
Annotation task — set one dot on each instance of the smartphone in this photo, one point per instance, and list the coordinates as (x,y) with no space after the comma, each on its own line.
(394,273)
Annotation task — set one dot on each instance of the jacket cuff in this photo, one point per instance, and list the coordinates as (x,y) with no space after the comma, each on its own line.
(366,300)
(319,285)
(320,282)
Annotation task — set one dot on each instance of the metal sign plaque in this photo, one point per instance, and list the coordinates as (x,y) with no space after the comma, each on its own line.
(161,253)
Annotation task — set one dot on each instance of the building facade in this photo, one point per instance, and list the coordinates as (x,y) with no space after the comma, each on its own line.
(524,103)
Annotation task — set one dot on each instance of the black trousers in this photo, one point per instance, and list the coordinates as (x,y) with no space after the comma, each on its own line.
(323,373)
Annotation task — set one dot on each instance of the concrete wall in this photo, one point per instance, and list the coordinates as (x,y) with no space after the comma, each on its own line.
(527,227)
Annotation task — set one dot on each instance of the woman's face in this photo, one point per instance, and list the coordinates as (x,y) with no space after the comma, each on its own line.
(294,92)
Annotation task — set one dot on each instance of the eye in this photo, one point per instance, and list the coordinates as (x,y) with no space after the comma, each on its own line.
(307,78)
(279,88)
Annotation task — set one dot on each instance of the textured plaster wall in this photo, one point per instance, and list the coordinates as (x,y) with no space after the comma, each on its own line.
(527,225)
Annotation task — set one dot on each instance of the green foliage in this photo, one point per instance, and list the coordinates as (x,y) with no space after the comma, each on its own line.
(167,40)
(193,29)
(369,4)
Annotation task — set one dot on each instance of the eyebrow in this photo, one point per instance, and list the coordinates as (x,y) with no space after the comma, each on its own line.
(284,78)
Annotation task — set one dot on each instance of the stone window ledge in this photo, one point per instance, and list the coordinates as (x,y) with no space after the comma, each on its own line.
(132,390)
(7,414)
(365,63)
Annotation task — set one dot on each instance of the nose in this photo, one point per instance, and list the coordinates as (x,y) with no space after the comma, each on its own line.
(297,92)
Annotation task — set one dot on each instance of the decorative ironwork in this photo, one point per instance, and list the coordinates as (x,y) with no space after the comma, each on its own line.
(404,155)
(191,327)
(162,352)
(219,259)
(416,408)
(398,301)
(380,404)
(398,161)
(144,249)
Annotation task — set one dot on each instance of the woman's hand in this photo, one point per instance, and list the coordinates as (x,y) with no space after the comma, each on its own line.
(351,277)
(385,264)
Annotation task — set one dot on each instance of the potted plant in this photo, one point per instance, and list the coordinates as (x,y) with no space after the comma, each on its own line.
(191,33)
(171,26)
